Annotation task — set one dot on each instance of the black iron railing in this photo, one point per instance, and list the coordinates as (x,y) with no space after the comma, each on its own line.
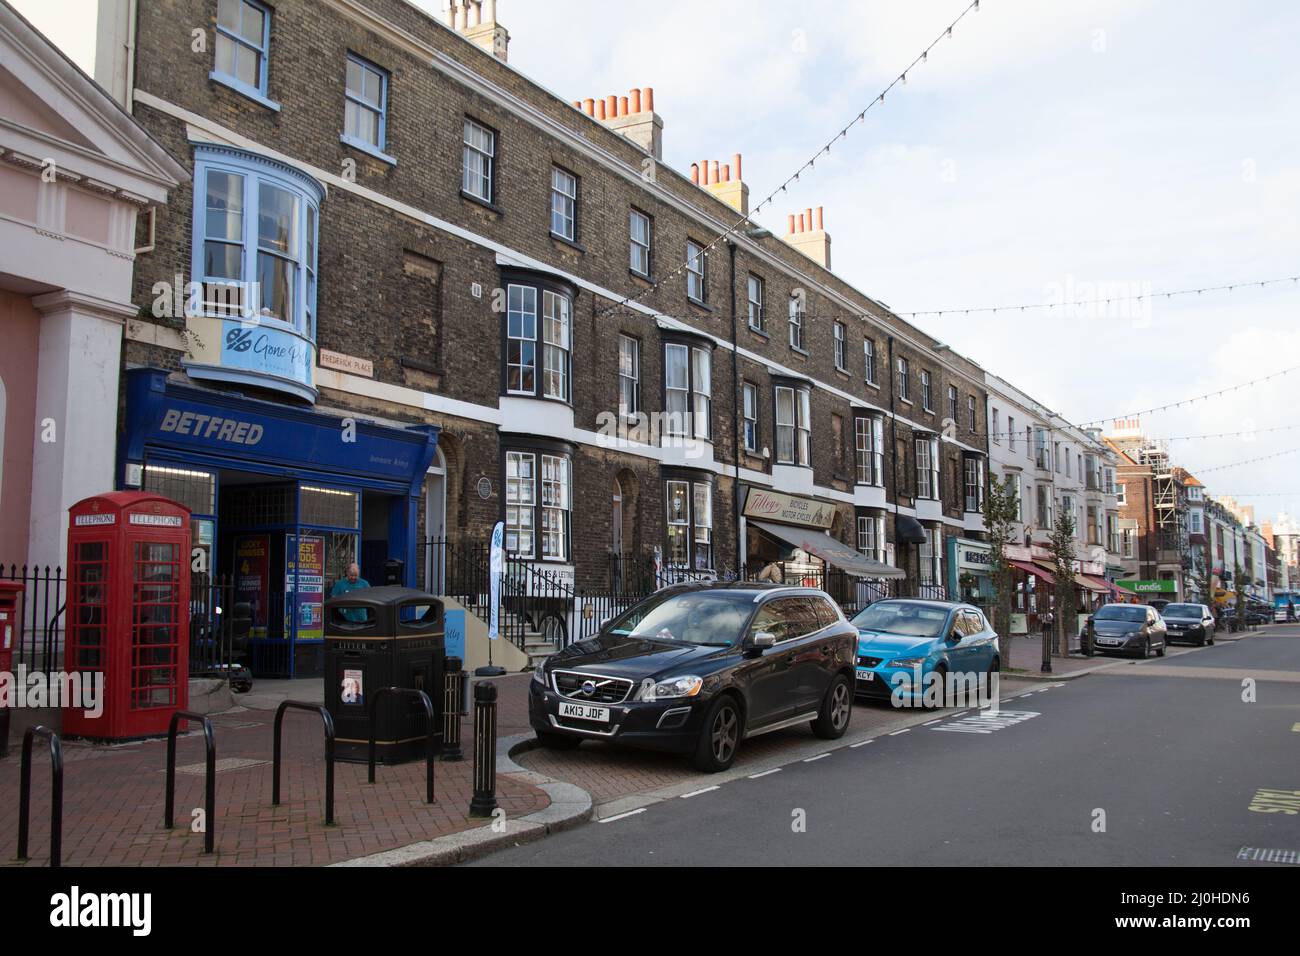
(38,637)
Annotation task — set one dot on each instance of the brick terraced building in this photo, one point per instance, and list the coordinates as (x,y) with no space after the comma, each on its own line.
(391,309)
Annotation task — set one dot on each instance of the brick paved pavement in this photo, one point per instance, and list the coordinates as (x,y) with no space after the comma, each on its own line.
(113,798)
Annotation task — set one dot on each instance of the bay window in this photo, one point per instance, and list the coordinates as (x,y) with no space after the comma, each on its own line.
(689,522)
(253,252)
(871,537)
(927,467)
(538,502)
(538,321)
(793,426)
(688,390)
(974,483)
(869,443)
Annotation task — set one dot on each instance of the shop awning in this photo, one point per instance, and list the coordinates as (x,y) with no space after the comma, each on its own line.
(1100,585)
(823,546)
(1035,569)
(1090,584)
(910,531)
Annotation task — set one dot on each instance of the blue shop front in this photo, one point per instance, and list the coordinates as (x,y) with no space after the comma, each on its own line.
(283,500)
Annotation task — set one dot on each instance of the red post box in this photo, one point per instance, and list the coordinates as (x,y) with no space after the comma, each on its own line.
(10,635)
(128,612)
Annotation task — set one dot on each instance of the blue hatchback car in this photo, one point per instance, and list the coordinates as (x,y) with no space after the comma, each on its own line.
(903,641)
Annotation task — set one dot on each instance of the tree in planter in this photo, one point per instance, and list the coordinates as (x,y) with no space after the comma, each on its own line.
(1001,512)
(1061,546)
(1238,575)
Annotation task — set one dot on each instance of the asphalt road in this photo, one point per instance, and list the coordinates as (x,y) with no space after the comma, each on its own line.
(1153,763)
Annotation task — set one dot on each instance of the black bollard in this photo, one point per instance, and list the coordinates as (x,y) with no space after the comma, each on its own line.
(484,801)
(451,708)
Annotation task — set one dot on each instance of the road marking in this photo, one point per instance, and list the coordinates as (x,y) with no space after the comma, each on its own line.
(929,722)
(958,714)
(987,723)
(1254,854)
(861,743)
(696,793)
(620,816)
(1269,800)
(903,731)
(1030,694)
(818,757)
(764,773)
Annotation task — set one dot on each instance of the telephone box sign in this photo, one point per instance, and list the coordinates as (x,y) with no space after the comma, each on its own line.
(83,521)
(156,521)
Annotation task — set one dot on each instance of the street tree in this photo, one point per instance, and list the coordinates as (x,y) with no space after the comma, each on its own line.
(1001,512)
(1061,548)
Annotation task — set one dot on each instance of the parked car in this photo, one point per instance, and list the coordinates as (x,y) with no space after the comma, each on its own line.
(1259,614)
(697,668)
(1128,628)
(901,642)
(1193,623)
(1159,604)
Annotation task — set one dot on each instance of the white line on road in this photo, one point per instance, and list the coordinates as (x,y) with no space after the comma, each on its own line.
(929,722)
(861,743)
(818,757)
(764,773)
(903,731)
(696,793)
(620,816)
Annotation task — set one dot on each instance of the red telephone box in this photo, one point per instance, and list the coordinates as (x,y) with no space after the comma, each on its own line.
(128,613)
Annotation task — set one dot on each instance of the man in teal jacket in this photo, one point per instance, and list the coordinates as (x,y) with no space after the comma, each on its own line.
(352,582)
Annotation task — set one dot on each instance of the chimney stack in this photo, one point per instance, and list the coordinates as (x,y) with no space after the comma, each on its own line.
(476,21)
(724,181)
(633,115)
(808,235)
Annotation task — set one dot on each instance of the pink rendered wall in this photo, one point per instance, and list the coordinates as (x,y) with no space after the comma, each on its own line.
(20,332)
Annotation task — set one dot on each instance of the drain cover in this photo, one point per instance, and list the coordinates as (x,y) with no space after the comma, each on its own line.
(1254,854)
(224,764)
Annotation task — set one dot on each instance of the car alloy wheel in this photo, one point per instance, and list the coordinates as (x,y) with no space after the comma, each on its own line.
(836,709)
(840,706)
(723,734)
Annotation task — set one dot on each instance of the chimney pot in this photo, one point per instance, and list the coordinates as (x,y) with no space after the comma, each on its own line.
(716,175)
(789,225)
(801,222)
(622,106)
(808,217)
(735,161)
(636,100)
(600,109)
(726,173)
(648,98)
(820,227)
(705,167)
(589,106)
(695,173)
(611,106)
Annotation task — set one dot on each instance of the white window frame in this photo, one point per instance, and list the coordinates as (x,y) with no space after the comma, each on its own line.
(869,371)
(629,375)
(639,246)
(360,104)
(521,506)
(697,289)
(927,391)
(749,409)
(795,320)
(564,204)
(235,40)
(478,164)
(756,298)
(526,336)
(904,380)
(841,335)
(556,344)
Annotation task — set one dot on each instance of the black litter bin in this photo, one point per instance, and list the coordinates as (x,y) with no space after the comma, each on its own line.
(383,637)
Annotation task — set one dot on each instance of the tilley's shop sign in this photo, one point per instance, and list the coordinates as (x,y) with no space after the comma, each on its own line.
(787,509)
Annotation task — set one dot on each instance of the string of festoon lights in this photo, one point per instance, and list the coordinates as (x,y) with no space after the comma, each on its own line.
(1247,434)
(794,177)
(806,316)
(1248,461)
(1136,297)
(1188,401)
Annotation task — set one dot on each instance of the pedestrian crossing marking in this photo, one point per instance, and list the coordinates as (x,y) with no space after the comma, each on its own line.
(987,722)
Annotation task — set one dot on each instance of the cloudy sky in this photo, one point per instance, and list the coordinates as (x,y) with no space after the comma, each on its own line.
(1045,151)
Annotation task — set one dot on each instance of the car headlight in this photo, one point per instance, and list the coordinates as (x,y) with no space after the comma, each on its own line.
(908,662)
(687,685)
(539,673)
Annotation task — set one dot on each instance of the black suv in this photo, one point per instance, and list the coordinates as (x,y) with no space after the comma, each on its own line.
(696,668)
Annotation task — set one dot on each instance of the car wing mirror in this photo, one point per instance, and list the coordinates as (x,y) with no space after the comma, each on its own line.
(761,641)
